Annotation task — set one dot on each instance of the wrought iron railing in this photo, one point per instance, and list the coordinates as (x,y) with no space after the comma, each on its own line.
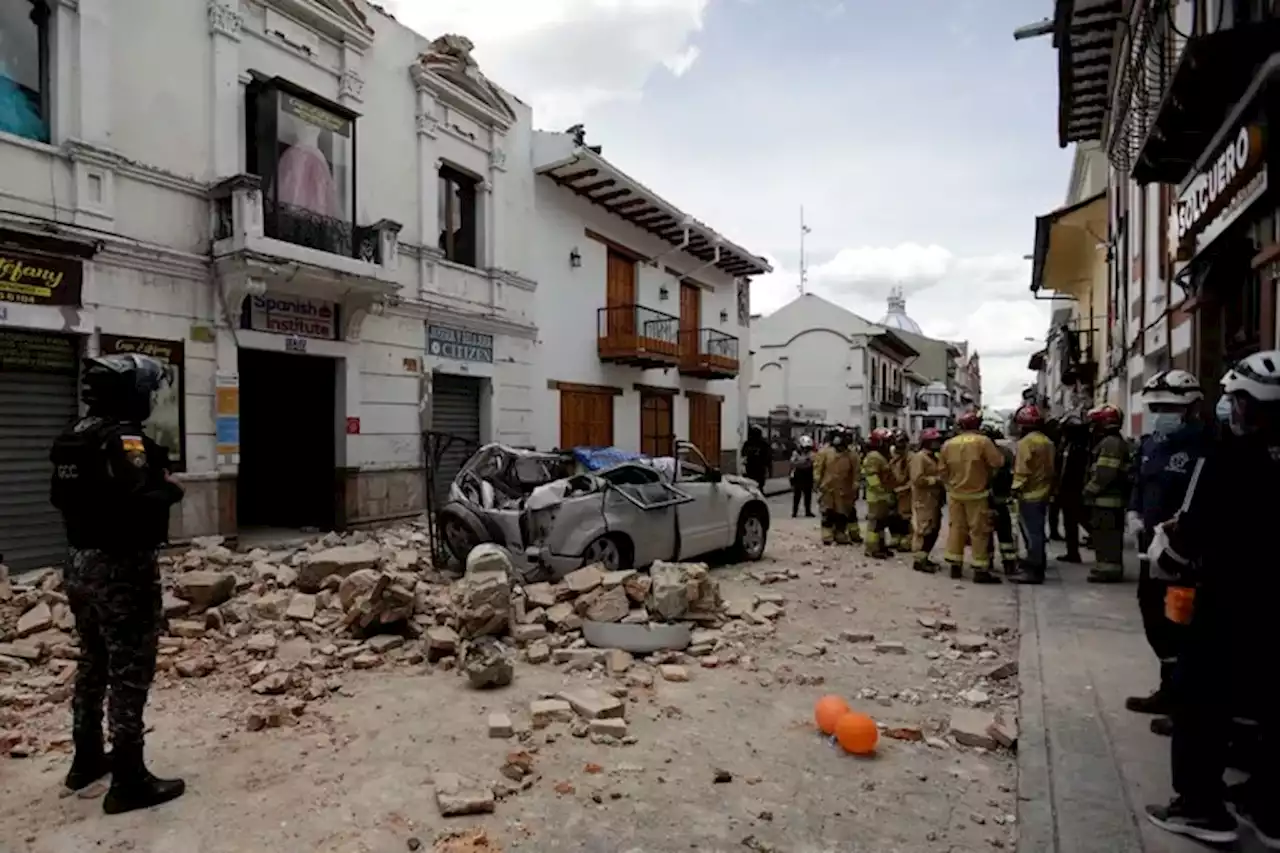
(708,348)
(304,227)
(1150,54)
(633,330)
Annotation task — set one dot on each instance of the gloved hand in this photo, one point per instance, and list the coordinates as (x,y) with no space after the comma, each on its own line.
(1134,522)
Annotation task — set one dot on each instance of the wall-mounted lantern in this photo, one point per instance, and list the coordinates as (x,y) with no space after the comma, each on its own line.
(663,294)
(724,316)
(575,258)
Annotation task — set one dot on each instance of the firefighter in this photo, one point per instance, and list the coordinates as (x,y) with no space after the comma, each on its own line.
(880,497)
(926,500)
(1220,550)
(1107,493)
(899,468)
(966,463)
(1033,473)
(835,470)
(1176,441)
(1001,503)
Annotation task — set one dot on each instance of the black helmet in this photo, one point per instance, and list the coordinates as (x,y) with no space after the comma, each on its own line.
(122,385)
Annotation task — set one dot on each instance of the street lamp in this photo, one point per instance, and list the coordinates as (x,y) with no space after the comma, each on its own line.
(1031,31)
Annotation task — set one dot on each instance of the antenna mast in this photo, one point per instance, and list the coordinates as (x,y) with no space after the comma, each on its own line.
(804,267)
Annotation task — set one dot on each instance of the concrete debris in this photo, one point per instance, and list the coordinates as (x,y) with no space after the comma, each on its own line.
(972,728)
(500,726)
(1004,729)
(488,557)
(315,568)
(969,642)
(544,712)
(679,590)
(488,663)
(205,589)
(592,704)
(456,796)
(482,602)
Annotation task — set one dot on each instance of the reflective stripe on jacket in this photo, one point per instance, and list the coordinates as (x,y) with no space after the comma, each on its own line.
(1033,467)
(1108,485)
(875,470)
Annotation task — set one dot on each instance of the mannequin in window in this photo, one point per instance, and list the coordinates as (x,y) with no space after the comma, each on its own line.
(306,180)
(20,104)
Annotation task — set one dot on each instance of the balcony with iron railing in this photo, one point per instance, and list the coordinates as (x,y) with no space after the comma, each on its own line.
(708,354)
(889,398)
(637,336)
(1181,72)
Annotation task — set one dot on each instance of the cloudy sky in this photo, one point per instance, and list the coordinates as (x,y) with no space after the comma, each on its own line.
(920,138)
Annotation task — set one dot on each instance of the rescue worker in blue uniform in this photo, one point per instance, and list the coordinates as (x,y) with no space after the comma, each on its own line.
(112,488)
(1176,440)
(1221,553)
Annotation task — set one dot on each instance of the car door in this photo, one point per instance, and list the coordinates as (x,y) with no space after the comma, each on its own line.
(642,505)
(703,521)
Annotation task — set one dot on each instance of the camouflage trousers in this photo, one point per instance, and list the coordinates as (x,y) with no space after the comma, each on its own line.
(116,603)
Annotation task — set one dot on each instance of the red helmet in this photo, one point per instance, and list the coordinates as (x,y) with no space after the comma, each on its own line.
(930,434)
(969,420)
(1029,416)
(880,437)
(1105,416)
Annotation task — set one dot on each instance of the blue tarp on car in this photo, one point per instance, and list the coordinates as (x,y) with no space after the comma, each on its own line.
(598,458)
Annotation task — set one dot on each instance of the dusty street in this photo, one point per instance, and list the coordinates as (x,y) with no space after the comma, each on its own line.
(727,760)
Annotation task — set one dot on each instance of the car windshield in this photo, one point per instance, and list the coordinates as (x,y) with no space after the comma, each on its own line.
(693,465)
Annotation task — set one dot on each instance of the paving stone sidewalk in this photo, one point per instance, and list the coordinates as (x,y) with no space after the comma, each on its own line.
(1086,766)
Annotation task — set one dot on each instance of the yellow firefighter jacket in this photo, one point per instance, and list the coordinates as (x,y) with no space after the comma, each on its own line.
(967,462)
(836,474)
(875,470)
(1033,468)
(1108,483)
(899,469)
(924,485)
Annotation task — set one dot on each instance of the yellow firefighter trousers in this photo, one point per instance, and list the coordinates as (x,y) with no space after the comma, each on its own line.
(968,519)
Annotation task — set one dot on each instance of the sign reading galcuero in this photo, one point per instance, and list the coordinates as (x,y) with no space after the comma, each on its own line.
(1220,192)
(39,280)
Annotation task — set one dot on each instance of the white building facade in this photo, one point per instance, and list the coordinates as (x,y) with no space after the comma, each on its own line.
(312,214)
(813,356)
(643,322)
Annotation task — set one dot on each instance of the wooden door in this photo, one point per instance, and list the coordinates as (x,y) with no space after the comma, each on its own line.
(586,419)
(704,425)
(620,295)
(690,319)
(657,426)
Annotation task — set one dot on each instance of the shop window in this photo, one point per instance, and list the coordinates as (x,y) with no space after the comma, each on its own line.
(457,210)
(303,147)
(24,68)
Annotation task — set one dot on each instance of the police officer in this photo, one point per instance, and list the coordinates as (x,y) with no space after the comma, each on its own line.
(1001,502)
(115,496)
(881,500)
(1107,494)
(1072,462)
(1222,546)
(1167,456)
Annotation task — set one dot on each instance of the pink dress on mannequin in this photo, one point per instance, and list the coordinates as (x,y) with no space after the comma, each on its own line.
(304,175)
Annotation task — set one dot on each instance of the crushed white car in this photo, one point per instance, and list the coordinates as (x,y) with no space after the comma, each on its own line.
(554,519)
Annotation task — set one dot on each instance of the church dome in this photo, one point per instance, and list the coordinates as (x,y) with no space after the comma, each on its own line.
(897,318)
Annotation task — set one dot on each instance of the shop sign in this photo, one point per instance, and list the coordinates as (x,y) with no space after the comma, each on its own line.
(459,344)
(809,414)
(1218,195)
(227,418)
(353,426)
(167,424)
(293,315)
(38,280)
(37,352)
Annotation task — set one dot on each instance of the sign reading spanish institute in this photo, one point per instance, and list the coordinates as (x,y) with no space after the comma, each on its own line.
(1221,192)
(294,316)
(39,280)
(459,344)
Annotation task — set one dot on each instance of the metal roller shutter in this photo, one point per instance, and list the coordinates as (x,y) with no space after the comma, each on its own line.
(34,409)
(455,411)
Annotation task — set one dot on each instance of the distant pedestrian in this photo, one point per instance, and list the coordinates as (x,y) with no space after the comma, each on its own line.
(802,476)
(757,456)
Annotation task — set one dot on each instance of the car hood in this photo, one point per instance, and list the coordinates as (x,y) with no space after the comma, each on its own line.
(744,482)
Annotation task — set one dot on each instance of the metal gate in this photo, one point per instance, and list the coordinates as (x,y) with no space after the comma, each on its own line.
(34,408)
(455,411)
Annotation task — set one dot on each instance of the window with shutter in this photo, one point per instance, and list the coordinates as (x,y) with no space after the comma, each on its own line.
(586,419)
(657,427)
(704,425)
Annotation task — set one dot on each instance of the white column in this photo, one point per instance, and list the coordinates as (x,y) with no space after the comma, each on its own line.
(225,22)
(93,119)
(497,194)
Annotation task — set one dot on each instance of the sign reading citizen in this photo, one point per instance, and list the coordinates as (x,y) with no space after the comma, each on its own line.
(1217,195)
(36,280)
(459,344)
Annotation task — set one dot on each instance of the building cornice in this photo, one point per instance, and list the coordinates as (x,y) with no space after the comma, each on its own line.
(430,310)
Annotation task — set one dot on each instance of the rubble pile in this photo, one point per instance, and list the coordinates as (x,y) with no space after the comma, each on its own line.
(283,627)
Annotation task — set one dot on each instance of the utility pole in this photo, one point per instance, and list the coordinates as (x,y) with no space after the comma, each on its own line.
(804,267)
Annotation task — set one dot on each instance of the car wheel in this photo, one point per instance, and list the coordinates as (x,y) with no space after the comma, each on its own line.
(610,551)
(753,535)
(458,537)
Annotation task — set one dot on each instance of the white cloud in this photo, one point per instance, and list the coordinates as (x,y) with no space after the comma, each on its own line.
(983,300)
(564,57)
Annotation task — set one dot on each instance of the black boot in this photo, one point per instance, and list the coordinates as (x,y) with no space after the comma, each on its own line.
(1070,557)
(1027,576)
(133,786)
(957,571)
(90,764)
(1162,726)
(985,576)
(1157,703)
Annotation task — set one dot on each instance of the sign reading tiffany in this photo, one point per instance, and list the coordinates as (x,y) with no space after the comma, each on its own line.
(459,344)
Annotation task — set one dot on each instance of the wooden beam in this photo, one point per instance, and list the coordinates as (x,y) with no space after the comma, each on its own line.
(631,202)
(612,390)
(610,196)
(598,185)
(574,176)
(609,242)
(656,390)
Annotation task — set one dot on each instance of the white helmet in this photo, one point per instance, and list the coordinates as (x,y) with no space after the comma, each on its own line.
(1257,376)
(1172,387)
(805,441)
